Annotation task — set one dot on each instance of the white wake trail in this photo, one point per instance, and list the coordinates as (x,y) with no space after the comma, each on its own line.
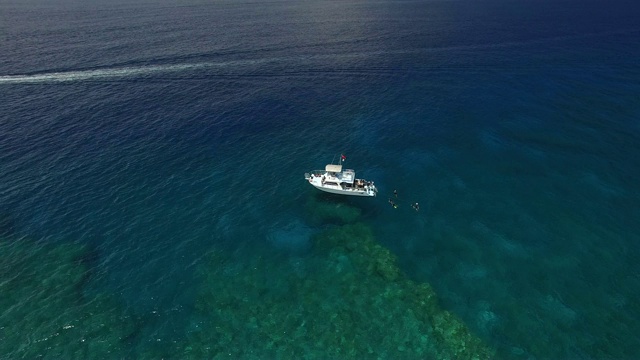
(100,74)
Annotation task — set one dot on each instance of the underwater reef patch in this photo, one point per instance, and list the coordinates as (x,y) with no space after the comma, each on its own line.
(44,312)
(353,302)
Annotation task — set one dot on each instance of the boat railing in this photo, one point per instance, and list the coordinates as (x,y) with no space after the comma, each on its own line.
(315,173)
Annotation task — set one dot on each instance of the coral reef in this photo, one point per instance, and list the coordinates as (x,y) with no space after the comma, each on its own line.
(44,311)
(349,301)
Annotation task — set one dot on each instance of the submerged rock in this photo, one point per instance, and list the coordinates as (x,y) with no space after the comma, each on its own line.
(329,209)
(294,237)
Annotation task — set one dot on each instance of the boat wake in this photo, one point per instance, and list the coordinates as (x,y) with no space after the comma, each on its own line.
(312,68)
(104,74)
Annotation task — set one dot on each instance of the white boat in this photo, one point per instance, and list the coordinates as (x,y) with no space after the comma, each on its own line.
(335,180)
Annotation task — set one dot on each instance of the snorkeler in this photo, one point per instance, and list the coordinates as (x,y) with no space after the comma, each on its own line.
(395,206)
(416,206)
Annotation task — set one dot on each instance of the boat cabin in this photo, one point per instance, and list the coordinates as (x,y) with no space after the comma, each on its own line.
(347,176)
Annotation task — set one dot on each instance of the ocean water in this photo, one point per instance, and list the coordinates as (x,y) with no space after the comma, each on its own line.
(152,199)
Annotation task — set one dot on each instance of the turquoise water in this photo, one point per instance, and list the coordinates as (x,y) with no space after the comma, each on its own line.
(153,201)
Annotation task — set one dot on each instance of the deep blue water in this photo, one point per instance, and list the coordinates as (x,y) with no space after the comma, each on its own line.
(155,132)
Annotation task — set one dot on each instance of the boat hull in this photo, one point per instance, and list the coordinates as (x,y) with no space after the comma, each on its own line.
(345,192)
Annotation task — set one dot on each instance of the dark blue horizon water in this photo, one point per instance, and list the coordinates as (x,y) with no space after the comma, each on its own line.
(156,134)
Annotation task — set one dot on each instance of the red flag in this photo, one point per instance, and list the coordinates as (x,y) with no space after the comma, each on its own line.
(342,157)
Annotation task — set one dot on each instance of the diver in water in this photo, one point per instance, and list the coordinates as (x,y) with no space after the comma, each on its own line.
(395,206)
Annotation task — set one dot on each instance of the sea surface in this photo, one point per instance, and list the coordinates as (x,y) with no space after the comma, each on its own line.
(153,204)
